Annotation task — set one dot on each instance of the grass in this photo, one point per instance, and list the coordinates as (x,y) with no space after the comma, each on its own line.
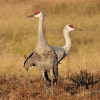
(21,87)
(18,37)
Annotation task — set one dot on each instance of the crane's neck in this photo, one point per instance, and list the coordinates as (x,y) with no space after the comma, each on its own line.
(67,45)
(41,37)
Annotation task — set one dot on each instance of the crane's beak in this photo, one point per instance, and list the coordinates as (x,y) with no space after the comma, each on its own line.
(30,16)
(77,29)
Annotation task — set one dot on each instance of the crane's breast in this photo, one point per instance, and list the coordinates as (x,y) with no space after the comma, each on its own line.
(45,56)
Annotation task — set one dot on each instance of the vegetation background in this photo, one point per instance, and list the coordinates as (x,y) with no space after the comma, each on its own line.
(18,37)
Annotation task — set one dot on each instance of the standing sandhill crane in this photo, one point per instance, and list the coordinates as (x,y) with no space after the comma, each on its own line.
(44,57)
(63,51)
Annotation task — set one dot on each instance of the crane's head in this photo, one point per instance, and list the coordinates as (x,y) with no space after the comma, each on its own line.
(36,14)
(70,27)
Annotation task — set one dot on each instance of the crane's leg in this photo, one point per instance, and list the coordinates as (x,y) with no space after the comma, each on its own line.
(55,71)
(45,83)
(51,73)
(46,75)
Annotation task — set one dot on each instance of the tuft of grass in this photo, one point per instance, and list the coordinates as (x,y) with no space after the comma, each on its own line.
(84,79)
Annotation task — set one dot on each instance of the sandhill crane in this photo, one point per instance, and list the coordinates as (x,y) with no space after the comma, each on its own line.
(63,51)
(44,57)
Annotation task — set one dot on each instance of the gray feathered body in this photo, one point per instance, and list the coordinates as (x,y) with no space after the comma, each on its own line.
(60,52)
(44,58)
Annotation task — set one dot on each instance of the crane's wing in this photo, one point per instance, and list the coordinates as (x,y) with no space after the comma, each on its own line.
(59,52)
(29,57)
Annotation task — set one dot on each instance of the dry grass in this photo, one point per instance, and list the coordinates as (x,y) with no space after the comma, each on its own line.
(31,87)
(18,36)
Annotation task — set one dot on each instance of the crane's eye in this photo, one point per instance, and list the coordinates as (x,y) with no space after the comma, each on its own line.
(36,13)
(71,26)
